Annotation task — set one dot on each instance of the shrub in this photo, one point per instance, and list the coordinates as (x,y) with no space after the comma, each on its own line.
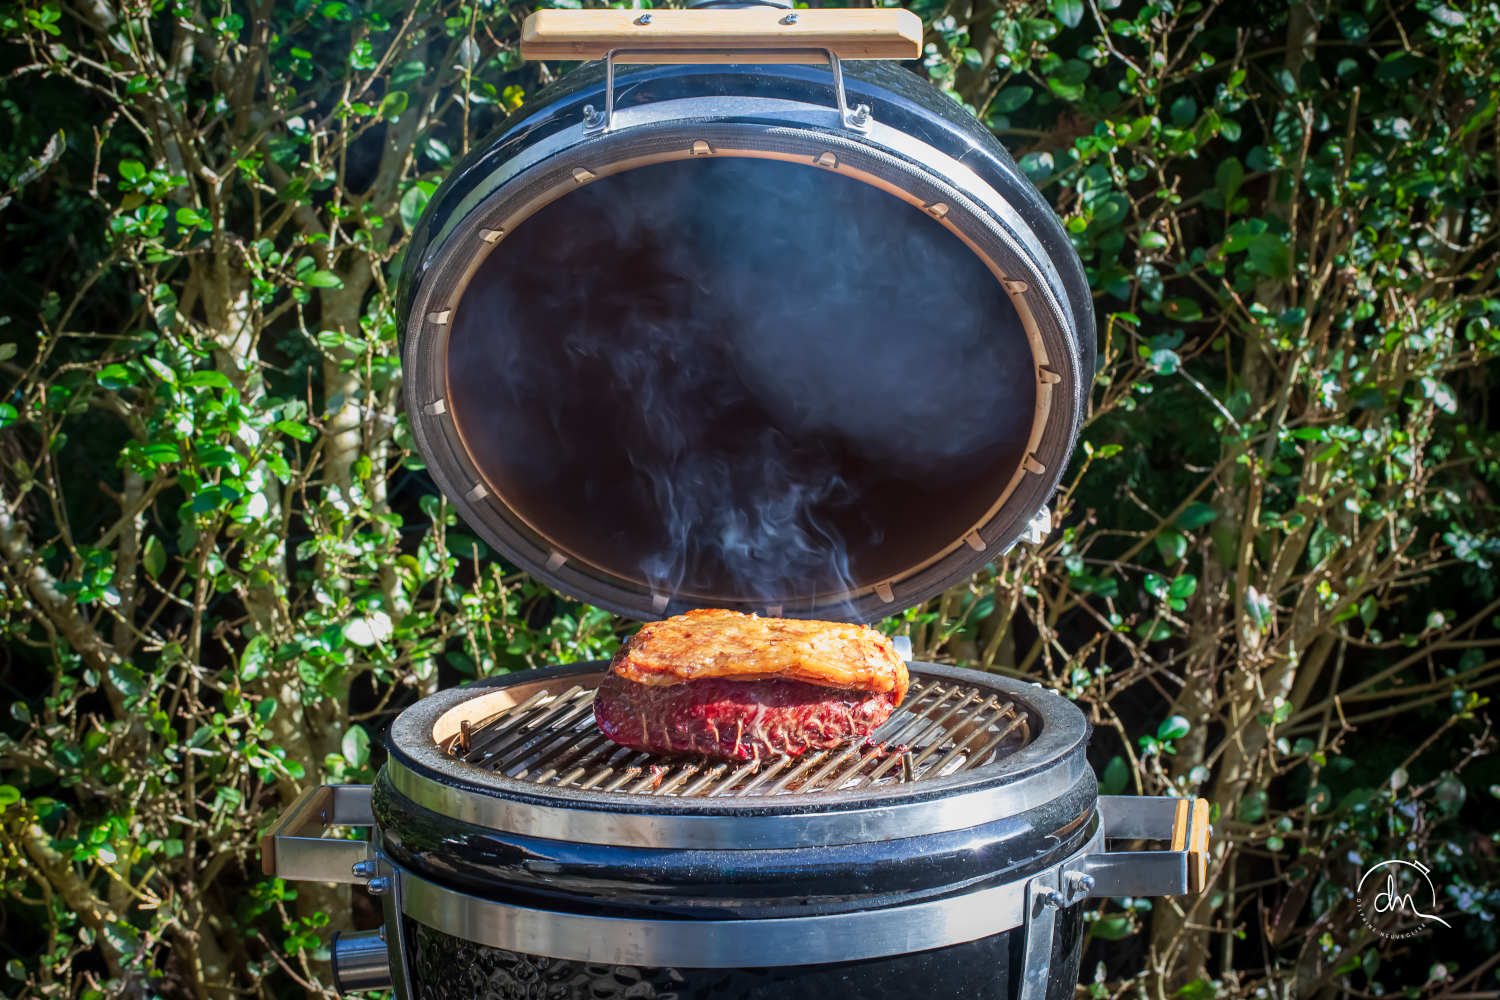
(224,568)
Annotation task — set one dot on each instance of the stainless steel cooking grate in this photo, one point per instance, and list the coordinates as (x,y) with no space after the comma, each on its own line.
(942,728)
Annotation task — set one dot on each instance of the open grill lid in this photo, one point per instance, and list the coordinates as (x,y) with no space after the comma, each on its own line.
(734,353)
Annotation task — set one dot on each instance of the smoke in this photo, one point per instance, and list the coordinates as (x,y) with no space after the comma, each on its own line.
(741,380)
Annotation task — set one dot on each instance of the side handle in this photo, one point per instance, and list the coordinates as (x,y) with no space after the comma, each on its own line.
(1179,870)
(294,848)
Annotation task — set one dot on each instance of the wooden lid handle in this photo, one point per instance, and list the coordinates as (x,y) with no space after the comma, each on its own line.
(750,34)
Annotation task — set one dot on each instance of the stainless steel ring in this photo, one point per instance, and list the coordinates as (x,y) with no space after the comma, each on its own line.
(722,944)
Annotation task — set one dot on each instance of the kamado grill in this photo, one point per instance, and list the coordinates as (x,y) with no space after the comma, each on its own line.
(732,330)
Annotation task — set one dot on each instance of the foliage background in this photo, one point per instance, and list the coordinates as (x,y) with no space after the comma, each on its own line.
(1273,582)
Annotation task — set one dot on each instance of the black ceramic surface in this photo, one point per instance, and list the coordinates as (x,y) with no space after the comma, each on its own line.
(443,967)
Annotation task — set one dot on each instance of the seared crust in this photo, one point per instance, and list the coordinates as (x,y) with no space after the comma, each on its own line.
(727,644)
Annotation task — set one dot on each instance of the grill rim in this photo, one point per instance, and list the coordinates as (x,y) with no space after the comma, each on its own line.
(1054,760)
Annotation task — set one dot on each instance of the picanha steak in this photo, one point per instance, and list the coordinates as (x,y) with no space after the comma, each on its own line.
(739,686)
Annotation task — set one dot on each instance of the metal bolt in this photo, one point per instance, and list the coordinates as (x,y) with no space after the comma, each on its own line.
(643,19)
(790,18)
(365,869)
(860,115)
(591,115)
(1050,898)
(1079,884)
(379,886)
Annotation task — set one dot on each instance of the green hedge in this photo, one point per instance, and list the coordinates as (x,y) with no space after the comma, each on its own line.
(222,566)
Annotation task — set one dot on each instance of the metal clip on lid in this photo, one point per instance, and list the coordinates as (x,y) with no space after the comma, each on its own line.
(759,34)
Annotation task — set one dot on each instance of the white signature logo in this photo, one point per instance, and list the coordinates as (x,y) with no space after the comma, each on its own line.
(1382,894)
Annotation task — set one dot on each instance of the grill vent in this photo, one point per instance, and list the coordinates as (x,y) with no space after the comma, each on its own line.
(942,728)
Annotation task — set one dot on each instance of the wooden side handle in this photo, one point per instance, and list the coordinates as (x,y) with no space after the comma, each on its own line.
(750,34)
(1190,833)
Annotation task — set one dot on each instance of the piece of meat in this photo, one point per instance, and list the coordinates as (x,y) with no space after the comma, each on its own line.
(716,643)
(740,687)
(736,720)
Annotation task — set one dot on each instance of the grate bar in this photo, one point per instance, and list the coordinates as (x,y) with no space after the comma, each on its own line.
(933,727)
(581,752)
(1006,712)
(492,744)
(552,740)
(516,715)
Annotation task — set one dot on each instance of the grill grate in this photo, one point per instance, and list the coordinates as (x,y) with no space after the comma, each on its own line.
(941,728)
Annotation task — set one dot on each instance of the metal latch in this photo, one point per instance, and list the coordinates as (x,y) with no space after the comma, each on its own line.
(295,847)
(1181,869)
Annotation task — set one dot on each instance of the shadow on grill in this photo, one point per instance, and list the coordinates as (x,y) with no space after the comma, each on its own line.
(550,738)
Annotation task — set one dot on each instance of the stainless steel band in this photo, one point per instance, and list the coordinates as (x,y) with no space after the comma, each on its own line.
(723,944)
(706,832)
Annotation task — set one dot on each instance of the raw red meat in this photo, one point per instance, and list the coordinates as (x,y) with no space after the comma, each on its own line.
(736,720)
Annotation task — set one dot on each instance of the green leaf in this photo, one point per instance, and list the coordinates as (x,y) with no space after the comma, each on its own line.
(1252,808)
(1116,776)
(356,746)
(1174,728)
(1164,362)
(1182,310)
(292,428)
(1183,111)
(153,556)
(1268,255)
(1183,586)
(413,203)
(127,679)
(1114,927)
(323,279)
(393,104)
(9,796)
(1172,545)
(256,656)
(116,377)
(1196,515)
(1069,12)
(162,370)
(1198,989)
(1010,99)
(8,415)
(1228,177)
(207,380)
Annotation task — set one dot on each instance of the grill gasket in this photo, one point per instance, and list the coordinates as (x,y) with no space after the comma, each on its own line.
(943,727)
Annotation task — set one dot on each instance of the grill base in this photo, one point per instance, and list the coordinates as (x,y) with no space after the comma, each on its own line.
(444,967)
